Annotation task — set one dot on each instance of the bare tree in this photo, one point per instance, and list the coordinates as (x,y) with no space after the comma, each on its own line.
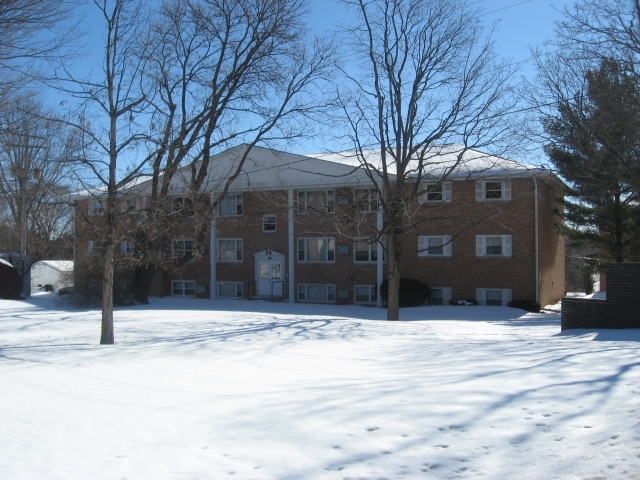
(33,176)
(228,72)
(103,108)
(31,31)
(425,76)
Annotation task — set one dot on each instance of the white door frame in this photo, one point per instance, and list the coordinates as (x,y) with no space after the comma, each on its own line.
(270,257)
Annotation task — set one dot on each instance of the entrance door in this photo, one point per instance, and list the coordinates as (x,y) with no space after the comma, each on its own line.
(270,273)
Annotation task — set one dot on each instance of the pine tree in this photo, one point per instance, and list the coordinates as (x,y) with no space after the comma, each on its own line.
(588,139)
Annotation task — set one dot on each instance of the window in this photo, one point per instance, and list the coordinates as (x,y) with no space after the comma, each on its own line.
(364,250)
(434,246)
(492,190)
(231,206)
(317,249)
(94,247)
(95,208)
(185,288)
(498,297)
(230,290)
(129,205)
(435,192)
(316,201)
(439,296)
(182,205)
(182,247)
(316,293)
(268,223)
(229,250)
(366,200)
(127,248)
(366,294)
(493,245)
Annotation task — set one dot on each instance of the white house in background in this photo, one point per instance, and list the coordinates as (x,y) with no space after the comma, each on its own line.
(57,273)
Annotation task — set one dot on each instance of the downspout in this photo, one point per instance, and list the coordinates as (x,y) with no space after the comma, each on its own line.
(380,256)
(537,246)
(213,252)
(75,244)
(291,233)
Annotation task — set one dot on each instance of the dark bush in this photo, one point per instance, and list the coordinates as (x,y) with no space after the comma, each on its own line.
(462,301)
(528,305)
(412,292)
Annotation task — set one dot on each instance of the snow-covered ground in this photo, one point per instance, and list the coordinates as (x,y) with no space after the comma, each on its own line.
(198,389)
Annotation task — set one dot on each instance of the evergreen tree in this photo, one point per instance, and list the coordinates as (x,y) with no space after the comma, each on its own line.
(602,209)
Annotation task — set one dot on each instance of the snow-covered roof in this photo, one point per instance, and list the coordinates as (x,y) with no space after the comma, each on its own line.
(4,262)
(454,161)
(60,265)
(269,169)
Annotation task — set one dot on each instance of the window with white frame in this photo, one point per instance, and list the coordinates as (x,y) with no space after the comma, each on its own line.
(436,192)
(182,205)
(231,205)
(182,247)
(230,290)
(365,294)
(366,200)
(129,205)
(434,246)
(94,247)
(268,223)
(316,201)
(229,250)
(498,297)
(185,288)
(311,292)
(96,208)
(439,296)
(364,250)
(317,249)
(493,245)
(493,190)
(127,248)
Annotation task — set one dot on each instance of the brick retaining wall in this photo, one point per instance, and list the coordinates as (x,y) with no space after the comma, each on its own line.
(620,309)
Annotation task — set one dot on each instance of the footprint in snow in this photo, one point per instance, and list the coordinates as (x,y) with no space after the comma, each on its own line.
(558,439)
(442,429)
(615,437)
(588,426)
(386,452)
(442,445)
(541,424)
(546,415)
(372,429)
(404,435)
(336,447)
(528,418)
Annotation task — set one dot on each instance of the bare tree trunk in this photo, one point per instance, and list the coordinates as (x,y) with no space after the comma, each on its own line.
(107,296)
(393,278)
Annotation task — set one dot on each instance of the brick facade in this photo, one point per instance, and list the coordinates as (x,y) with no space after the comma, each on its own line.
(619,310)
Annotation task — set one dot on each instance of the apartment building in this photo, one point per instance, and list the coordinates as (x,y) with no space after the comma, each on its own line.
(303,229)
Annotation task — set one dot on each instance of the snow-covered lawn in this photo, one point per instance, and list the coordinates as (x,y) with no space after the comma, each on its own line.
(198,389)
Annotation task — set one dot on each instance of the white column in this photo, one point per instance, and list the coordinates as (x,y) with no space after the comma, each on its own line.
(292,249)
(379,261)
(212,259)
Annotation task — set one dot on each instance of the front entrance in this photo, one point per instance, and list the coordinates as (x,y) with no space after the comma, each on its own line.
(269,274)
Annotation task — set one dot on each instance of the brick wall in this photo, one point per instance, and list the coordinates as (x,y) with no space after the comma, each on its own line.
(619,310)
(463,218)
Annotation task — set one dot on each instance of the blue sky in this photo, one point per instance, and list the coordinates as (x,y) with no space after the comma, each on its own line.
(519,25)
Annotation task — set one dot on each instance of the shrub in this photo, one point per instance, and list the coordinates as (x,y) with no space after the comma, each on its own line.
(412,292)
(462,301)
(528,305)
